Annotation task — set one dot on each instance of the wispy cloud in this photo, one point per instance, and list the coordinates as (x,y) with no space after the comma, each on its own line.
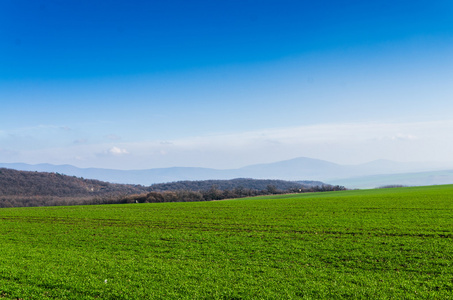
(346,143)
(343,143)
(343,132)
(117,151)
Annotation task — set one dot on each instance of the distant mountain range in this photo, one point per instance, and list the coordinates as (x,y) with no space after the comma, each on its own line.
(405,179)
(302,168)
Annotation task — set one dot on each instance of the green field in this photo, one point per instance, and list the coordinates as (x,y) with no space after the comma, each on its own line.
(387,243)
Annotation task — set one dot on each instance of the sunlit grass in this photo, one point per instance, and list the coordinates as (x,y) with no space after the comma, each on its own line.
(390,243)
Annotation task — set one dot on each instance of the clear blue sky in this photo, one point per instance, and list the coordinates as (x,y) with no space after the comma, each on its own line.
(143,84)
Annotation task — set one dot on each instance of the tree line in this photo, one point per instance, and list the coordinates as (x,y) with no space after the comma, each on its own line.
(213,193)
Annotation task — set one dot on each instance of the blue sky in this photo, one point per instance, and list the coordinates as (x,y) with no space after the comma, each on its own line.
(144,84)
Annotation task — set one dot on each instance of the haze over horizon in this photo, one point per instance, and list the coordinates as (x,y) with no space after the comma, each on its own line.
(224,84)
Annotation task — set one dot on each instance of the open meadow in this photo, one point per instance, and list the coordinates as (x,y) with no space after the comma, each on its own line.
(365,244)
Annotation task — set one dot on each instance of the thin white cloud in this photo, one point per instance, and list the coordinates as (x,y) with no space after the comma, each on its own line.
(117,151)
(350,132)
(346,143)
(343,143)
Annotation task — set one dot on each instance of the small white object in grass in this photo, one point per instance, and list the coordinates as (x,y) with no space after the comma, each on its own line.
(105,281)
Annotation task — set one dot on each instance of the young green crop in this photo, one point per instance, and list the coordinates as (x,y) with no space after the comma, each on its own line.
(387,243)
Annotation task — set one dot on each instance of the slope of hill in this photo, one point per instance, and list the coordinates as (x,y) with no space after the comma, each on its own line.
(27,188)
(27,183)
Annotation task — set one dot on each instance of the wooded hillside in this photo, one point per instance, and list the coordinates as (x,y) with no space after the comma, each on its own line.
(238,183)
(25,183)
(25,188)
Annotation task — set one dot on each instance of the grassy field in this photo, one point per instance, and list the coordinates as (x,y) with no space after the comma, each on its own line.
(387,243)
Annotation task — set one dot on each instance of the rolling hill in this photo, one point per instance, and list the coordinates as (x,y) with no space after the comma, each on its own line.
(32,188)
